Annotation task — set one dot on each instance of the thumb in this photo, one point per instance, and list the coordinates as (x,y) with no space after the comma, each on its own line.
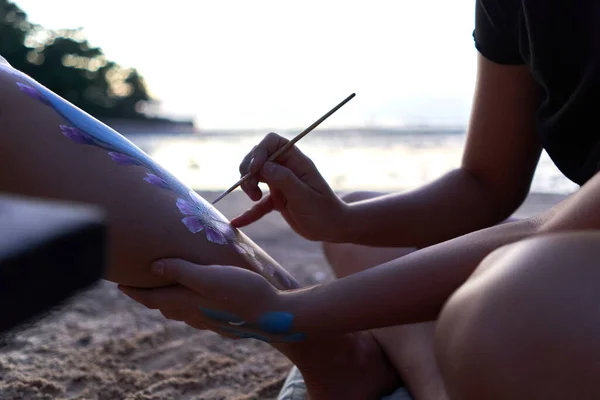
(180,271)
(210,281)
(283,179)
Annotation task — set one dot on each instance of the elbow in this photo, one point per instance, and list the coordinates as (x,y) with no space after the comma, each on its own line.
(501,198)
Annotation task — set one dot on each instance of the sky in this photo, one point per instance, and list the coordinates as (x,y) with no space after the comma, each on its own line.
(280,64)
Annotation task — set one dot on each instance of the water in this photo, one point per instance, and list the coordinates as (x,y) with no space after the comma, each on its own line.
(348,160)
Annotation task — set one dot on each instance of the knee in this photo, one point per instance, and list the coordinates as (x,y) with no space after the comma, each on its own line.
(339,256)
(503,316)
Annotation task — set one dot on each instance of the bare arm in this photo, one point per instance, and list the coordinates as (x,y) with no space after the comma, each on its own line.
(415,287)
(406,290)
(51,149)
(502,151)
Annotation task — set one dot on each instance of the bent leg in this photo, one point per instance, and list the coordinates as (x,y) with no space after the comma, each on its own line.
(410,347)
(526,325)
(346,259)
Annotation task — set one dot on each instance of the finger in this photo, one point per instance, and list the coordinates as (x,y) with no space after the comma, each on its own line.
(253,214)
(293,158)
(283,179)
(250,187)
(214,282)
(269,145)
(176,297)
(245,164)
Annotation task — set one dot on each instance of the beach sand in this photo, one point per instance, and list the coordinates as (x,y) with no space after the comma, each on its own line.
(102,345)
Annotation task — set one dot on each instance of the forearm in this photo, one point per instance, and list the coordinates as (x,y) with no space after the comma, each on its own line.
(52,149)
(415,287)
(406,290)
(453,205)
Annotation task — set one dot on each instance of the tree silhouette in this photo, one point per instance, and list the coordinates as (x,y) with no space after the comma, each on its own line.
(67,64)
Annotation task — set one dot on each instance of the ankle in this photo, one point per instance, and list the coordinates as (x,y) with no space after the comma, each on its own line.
(349,367)
(331,353)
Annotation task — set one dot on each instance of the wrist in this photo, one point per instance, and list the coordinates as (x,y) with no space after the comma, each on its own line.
(297,303)
(349,225)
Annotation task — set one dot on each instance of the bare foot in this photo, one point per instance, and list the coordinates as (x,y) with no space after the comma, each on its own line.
(348,367)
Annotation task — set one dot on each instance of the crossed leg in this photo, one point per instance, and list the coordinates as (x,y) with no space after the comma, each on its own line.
(525,325)
(410,348)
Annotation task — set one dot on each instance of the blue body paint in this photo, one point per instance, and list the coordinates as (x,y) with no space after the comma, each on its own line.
(221,316)
(276,322)
(198,216)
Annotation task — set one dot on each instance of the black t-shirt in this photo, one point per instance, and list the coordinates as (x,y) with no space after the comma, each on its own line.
(559,40)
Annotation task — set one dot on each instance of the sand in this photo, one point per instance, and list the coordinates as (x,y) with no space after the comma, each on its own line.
(102,345)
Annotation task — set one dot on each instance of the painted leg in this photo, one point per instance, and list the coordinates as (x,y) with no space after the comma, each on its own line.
(526,325)
(51,149)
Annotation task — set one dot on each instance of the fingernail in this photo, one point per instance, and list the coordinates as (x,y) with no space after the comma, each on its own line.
(252,164)
(158,268)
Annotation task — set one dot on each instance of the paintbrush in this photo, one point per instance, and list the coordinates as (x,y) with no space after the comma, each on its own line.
(286,147)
